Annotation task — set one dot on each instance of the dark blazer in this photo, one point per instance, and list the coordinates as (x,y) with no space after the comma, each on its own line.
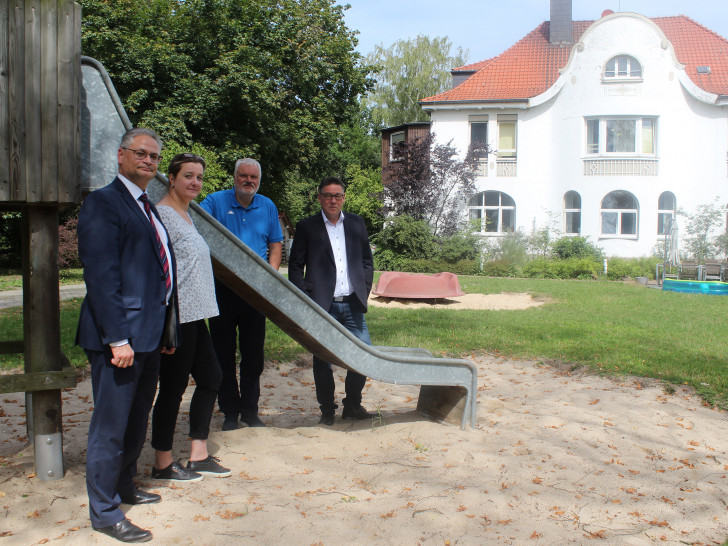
(125,291)
(312,252)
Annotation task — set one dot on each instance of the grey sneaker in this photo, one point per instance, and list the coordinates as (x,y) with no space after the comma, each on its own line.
(176,473)
(208,467)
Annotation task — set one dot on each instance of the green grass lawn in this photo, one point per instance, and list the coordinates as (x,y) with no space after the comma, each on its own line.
(610,327)
(11,279)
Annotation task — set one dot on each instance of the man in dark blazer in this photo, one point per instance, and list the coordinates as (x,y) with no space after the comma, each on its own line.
(129,274)
(331,261)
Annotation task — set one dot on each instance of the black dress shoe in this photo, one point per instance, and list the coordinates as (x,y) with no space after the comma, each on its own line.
(327,419)
(357,413)
(125,531)
(252,421)
(139,497)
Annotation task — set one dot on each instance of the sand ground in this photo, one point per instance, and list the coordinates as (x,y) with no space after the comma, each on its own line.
(558,456)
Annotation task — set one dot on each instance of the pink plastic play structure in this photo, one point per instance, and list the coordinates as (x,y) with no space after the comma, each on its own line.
(417,286)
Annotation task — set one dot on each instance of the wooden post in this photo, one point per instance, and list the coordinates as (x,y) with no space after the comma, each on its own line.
(42,327)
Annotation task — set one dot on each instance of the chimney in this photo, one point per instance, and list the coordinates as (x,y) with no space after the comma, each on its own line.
(560,26)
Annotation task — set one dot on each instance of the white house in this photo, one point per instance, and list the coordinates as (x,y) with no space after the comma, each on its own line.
(609,126)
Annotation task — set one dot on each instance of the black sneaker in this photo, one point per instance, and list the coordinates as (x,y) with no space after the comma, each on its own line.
(208,467)
(176,473)
(356,413)
(230,423)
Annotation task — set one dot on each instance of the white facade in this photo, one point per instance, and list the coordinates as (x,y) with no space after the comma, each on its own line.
(686,155)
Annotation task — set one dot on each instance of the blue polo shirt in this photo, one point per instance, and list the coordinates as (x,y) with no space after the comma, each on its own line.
(256,225)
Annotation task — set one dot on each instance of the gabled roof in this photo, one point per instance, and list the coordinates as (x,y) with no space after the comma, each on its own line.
(531,66)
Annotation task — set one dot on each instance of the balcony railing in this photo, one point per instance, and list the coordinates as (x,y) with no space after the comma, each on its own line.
(506,167)
(481,167)
(621,167)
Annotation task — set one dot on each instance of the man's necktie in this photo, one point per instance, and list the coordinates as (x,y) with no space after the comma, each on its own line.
(162,254)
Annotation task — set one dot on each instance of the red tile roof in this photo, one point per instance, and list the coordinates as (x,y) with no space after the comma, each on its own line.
(532,65)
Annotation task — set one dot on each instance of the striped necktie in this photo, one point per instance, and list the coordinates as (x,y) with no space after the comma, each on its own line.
(162,254)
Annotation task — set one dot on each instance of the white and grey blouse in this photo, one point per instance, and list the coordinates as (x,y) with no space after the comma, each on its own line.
(195,284)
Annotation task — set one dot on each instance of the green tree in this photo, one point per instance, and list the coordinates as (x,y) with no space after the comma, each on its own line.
(702,240)
(363,186)
(407,72)
(271,79)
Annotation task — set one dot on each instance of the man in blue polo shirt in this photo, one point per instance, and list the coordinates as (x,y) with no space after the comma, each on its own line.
(254,220)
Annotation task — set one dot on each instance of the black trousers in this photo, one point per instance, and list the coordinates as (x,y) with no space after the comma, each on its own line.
(196,357)
(238,322)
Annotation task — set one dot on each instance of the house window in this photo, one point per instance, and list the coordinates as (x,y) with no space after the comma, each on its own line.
(620,214)
(479,136)
(572,213)
(507,136)
(666,209)
(492,212)
(621,136)
(622,67)
(396,146)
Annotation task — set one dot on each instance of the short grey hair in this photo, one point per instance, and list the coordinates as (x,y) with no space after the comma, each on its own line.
(131,134)
(248,161)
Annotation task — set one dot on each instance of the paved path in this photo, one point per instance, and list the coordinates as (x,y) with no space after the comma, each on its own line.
(14,298)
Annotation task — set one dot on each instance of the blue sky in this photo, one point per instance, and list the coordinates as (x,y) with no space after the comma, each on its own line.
(488,27)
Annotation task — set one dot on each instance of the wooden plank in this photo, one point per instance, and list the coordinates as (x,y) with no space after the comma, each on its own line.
(69,51)
(16,99)
(12,347)
(40,381)
(49,81)
(4,114)
(33,122)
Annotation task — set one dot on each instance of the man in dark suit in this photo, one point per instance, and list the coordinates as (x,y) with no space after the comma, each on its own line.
(333,249)
(129,274)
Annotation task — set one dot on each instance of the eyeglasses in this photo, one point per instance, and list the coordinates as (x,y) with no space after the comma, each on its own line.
(337,196)
(141,155)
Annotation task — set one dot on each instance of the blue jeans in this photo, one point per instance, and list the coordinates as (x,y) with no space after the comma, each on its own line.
(323,375)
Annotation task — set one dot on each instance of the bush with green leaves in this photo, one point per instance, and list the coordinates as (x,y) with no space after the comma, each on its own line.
(570,268)
(621,268)
(408,238)
(462,267)
(461,245)
(502,268)
(576,247)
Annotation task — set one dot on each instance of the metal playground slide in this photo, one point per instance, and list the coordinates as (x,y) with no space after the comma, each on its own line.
(448,386)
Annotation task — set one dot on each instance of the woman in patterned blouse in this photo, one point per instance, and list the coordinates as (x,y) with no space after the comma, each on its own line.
(195,356)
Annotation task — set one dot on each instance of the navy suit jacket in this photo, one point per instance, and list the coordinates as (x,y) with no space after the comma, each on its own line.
(125,288)
(311,266)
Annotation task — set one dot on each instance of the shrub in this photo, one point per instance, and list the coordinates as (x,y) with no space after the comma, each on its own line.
(571,268)
(406,237)
(68,244)
(576,247)
(462,245)
(620,268)
(501,268)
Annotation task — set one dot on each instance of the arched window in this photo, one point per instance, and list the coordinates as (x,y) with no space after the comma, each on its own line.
(572,213)
(666,209)
(622,67)
(492,212)
(620,214)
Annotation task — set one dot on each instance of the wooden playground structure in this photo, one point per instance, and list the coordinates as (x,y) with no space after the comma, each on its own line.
(40,172)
